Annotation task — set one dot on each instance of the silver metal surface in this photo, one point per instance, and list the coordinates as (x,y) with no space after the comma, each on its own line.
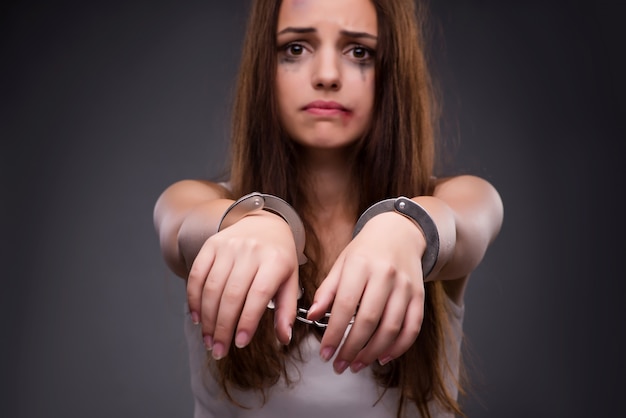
(257,201)
(413,211)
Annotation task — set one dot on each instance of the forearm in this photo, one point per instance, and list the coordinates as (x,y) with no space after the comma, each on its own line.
(185,215)
(468,213)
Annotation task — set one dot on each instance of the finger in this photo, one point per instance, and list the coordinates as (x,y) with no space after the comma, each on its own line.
(388,331)
(211,292)
(286,304)
(325,293)
(195,281)
(230,302)
(265,285)
(349,291)
(409,332)
(374,303)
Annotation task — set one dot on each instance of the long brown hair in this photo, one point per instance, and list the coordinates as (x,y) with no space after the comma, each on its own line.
(396,157)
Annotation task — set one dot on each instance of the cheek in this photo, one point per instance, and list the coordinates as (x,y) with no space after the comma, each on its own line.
(285,86)
(361,77)
(369,86)
(285,101)
(282,92)
(367,99)
(363,83)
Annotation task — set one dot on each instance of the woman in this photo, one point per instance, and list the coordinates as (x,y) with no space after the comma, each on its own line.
(333,115)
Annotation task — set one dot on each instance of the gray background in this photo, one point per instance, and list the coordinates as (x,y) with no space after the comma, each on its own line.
(105,104)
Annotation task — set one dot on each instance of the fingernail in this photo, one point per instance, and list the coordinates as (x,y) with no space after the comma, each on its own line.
(290,335)
(341,366)
(327,353)
(208,342)
(218,351)
(384,360)
(356,367)
(312,308)
(241,340)
(195,318)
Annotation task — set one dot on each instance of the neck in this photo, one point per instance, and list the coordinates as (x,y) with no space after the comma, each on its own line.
(330,181)
(332,200)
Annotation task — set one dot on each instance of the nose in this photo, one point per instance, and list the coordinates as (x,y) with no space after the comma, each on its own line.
(327,71)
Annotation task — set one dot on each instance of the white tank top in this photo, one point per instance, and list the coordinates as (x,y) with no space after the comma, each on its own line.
(319,393)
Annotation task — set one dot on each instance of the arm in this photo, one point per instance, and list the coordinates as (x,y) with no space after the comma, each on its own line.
(468,212)
(185,215)
(231,275)
(380,271)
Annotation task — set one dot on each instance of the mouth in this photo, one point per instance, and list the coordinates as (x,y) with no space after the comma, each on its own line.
(326,108)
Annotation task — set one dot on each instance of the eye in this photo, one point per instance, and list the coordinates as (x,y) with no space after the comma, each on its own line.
(361,53)
(294,49)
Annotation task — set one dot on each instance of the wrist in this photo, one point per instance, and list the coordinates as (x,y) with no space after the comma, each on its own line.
(419,217)
(254,203)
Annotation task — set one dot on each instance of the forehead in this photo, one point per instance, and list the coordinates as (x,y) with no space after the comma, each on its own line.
(351,15)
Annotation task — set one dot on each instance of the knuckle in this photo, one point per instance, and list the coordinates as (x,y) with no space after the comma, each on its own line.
(281,259)
(406,280)
(393,328)
(388,330)
(232,294)
(382,267)
(210,288)
(262,291)
(208,326)
(357,257)
(368,318)
(222,329)
(196,274)
(389,270)
(417,285)
(239,245)
(345,304)
(249,245)
(413,330)
(247,319)
(192,292)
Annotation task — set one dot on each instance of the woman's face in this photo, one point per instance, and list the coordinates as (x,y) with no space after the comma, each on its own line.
(325,70)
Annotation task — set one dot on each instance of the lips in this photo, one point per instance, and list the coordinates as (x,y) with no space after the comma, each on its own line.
(325,108)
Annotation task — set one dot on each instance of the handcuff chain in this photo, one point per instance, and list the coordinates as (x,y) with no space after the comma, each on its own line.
(301,315)
(322,323)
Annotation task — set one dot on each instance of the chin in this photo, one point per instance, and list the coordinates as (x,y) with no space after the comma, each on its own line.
(327,140)
(326,143)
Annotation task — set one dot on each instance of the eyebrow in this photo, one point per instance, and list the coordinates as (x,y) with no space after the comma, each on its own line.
(347,33)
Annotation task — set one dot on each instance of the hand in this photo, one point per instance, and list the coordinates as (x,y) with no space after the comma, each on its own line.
(234,276)
(379,273)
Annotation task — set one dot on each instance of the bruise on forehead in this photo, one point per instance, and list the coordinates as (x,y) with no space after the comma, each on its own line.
(299,4)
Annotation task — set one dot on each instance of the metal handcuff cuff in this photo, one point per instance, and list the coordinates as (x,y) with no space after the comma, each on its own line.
(419,216)
(257,201)
(254,202)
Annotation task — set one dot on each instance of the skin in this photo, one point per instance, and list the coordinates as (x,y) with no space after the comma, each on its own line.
(232,275)
(326,54)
